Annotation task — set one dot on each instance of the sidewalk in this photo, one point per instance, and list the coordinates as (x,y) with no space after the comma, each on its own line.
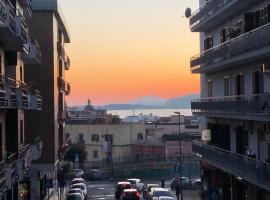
(56,195)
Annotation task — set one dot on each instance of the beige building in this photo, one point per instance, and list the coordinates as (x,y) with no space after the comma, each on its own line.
(106,141)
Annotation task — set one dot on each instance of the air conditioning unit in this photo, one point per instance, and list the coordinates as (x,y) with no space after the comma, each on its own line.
(206,135)
(265,68)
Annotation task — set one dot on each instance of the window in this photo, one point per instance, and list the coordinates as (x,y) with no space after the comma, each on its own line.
(95,154)
(223,36)
(209,88)
(95,138)
(208,43)
(239,85)
(108,138)
(140,136)
(257,82)
(226,86)
(81,138)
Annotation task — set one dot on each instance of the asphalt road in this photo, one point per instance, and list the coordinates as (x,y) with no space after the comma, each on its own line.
(104,190)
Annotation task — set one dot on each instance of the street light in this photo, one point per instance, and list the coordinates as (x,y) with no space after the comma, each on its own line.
(180,155)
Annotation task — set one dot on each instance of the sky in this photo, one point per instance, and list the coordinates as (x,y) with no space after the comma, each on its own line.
(121,50)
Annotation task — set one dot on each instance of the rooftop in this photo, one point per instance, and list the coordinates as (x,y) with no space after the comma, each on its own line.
(53,5)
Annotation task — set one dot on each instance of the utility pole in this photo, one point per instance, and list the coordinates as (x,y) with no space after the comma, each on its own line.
(180,156)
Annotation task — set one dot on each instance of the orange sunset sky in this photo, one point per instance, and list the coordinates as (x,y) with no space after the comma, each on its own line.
(125,49)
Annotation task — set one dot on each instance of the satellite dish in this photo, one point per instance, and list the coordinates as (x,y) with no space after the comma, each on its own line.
(188,12)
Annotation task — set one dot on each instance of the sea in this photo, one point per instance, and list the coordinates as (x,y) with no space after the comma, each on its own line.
(157,112)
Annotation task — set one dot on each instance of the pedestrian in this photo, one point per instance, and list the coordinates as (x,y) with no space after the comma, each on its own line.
(162,183)
(177,191)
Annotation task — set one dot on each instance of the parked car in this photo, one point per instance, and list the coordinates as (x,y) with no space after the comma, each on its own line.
(78,172)
(78,180)
(174,182)
(155,193)
(147,189)
(75,196)
(196,184)
(166,198)
(136,183)
(75,191)
(120,187)
(81,186)
(130,194)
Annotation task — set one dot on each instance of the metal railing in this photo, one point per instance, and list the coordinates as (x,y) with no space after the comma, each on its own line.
(252,170)
(22,152)
(206,10)
(255,105)
(249,42)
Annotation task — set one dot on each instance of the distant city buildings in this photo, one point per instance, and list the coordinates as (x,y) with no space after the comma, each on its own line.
(234,105)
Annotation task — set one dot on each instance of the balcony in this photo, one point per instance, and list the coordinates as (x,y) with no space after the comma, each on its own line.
(11,95)
(62,116)
(67,89)
(61,84)
(65,147)
(249,48)
(242,107)
(61,50)
(22,92)
(36,100)
(13,30)
(67,63)
(210,14)
(24,151)
(252,170)
(33,54)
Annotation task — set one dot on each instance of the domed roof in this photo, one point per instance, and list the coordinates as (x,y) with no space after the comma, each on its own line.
(89,107)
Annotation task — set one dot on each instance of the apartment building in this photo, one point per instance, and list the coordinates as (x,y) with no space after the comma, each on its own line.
(234,107)
(48,26)
(18,48)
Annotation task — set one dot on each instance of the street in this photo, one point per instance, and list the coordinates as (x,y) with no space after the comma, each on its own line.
(104,190)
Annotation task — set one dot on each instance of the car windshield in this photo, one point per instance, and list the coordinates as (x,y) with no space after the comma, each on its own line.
(132,181)
(74,197)
(77,181)
(162,193)
(78,186)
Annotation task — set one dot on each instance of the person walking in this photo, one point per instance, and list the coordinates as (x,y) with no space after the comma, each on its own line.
(177,190)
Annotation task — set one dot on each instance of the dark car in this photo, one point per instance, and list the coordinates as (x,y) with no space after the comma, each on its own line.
(175,182)
(130,194)
(120,187)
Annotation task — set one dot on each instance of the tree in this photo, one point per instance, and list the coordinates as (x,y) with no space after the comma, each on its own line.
(74,150)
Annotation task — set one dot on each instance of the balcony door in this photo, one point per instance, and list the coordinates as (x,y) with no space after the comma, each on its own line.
(239,85)
(257,82)
(241,140)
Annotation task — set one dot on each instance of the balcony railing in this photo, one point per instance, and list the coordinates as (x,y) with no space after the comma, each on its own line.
(61,84)
(254,171)
(233,51)
(67,63)
(67,89)
(61,50)
(206,10)
(252,105)
(2,12)
(63,149)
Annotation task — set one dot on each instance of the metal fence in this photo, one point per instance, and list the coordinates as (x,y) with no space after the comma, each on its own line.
(254,171)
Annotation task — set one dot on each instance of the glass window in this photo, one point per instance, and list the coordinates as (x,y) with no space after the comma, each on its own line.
(95,154)
(209,87)
(226,86)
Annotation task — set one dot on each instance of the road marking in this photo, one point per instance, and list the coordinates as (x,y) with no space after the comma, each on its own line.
(101,188)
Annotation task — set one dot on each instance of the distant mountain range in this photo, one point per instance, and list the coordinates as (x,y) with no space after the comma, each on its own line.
(150,102)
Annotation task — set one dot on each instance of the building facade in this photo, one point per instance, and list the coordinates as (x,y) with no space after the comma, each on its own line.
(48,26)
(234,105)
(18,48)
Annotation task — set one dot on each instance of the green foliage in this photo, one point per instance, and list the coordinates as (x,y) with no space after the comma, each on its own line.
(76,149)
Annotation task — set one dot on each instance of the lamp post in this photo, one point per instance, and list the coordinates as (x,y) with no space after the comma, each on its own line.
(180,155)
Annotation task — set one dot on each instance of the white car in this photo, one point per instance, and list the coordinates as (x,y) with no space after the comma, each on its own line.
(78,180)
(166,198)
(75,196)
(81,186)
(136,183)
(159,192)
(76,190)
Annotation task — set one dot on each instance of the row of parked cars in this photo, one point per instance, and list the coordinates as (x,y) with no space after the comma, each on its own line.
(77,190)
(131,189)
